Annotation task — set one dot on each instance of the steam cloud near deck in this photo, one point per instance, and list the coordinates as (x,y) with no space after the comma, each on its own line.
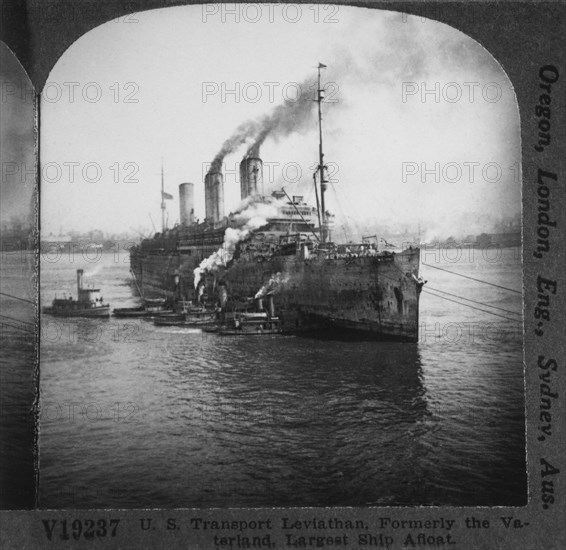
(253,216)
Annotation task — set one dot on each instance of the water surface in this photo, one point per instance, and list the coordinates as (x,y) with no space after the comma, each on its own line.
(135,415)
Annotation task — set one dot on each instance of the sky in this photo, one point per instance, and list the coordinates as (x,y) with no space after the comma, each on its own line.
(155,87)
(17,145)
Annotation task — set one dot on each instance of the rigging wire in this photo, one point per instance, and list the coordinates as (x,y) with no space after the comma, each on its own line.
(24,330)
(17,320)
(428,289)
(473,279)
(298,212)
(473,307)
(17,298)
(15,326)
(347,234)
(474,301)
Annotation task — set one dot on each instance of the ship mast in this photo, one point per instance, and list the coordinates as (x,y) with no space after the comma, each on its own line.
(323,181)
(162,200)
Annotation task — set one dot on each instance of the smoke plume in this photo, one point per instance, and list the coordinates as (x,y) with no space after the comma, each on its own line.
(272,286)
(292,116)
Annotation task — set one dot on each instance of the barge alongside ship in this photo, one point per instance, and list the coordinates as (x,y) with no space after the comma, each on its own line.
(278,250)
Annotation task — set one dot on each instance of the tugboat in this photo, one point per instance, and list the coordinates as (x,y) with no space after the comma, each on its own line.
(260,322)
(149,308)
(251,324)
(192,316)
(89,303)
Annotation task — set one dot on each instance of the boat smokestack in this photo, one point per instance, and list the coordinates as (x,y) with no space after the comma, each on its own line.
(214,196)
(270,305)
(251,175)
(187,203)
(79,280)
(222,295)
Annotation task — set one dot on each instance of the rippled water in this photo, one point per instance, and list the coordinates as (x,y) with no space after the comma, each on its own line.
(17,382)
(135,415)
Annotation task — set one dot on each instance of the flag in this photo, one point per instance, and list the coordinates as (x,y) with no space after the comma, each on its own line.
(166,196)
(321,66)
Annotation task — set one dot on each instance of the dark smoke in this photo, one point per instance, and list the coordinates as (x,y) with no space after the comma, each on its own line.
(253,151)
(291,116)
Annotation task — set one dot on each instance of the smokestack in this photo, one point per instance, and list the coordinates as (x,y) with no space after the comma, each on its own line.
(214,196)
(270,305)
(79,280)
(222,295)
(187,203)
(251,176)
(219,183)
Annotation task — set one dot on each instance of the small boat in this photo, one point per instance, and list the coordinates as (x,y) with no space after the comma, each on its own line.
(251,324)
(155,302)
(165,317)
(149,308)
(192,318)
(139,311)
(207,318)
(88,304)
(166,322)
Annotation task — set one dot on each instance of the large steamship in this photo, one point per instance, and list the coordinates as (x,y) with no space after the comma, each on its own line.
(276,254)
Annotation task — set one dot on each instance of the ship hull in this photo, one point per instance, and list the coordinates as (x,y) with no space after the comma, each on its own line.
(372,296)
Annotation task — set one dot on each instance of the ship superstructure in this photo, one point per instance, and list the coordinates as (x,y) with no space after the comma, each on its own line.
(275,253)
